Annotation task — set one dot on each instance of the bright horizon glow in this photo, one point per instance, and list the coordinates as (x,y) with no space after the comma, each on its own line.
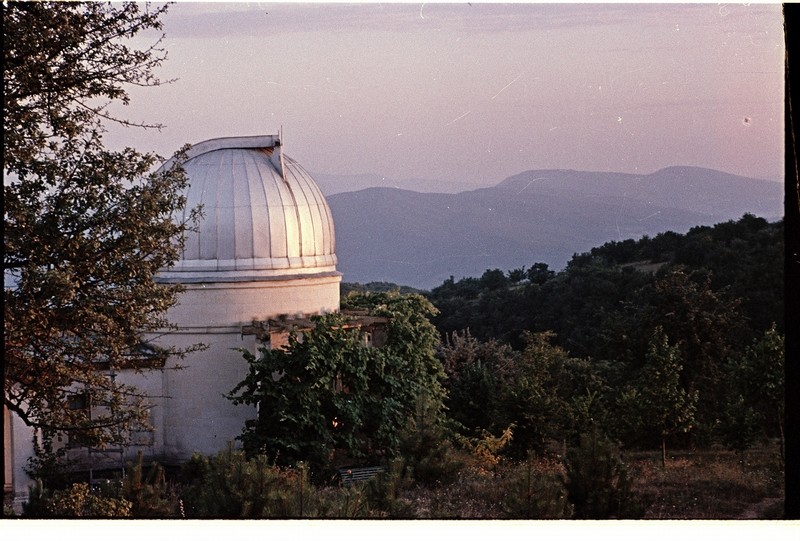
(472,94)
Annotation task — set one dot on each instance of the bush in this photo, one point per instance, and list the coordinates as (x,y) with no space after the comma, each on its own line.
(229,485)
(384,491)
(426,447)
(533,490)
(49,463)
(150,494)
(77,501)
(597,481)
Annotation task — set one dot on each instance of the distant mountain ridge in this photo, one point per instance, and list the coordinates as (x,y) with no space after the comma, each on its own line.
(420,239)
(333,184)
(701,190)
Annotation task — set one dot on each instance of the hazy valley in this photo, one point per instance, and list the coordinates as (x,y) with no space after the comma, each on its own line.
(420,239)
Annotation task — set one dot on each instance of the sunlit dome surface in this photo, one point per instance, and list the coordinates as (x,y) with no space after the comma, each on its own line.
(263,215)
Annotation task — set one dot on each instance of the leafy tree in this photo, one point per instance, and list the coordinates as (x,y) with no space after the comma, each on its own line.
(86,229)
(328,391)
(657,400)
(428,455)
(704,325)
(304,412)
(64,63)
(755,381)
(599,305)
(406,369)
(515,276)
(533,397)
(541,391)
(539,273)
(477,372)
(494,279)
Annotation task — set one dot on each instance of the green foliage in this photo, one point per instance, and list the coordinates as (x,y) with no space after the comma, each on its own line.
(603,310)
(755,381)
(403,371)
(304,411)
(476,374)
(384,491)
(76,501)
(657,401)
(550,395)
(345,288)
(149,493)
(85,229)
(229,485)
(327,391)
(739,426)
(597,480)
(541,391)
(63,65)
(531,494)
(595,302)
(531,399)
(427,452)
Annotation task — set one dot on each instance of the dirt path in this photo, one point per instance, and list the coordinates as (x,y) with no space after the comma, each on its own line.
(766,508)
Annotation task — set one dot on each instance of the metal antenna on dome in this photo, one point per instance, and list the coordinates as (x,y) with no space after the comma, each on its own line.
(279,151)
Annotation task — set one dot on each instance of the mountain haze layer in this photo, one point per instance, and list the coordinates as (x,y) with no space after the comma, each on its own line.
(421,239)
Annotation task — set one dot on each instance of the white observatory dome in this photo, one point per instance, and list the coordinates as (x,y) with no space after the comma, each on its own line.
(264,217)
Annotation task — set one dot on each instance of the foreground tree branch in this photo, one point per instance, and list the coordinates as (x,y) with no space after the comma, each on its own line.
(86,229)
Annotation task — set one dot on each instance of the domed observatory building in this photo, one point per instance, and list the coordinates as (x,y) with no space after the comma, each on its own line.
(261,259)
(264,249)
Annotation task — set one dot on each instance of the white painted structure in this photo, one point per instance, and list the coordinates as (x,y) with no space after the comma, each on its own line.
(264,248)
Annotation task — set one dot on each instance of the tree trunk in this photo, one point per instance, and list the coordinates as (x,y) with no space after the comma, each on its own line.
(663,451)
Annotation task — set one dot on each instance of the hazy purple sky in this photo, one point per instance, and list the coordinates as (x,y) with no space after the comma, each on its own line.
(475,93)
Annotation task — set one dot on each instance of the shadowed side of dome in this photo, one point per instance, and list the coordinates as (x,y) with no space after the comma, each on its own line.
(263,215)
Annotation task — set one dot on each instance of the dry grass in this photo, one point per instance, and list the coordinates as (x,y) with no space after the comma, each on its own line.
(529,489)
(708,485)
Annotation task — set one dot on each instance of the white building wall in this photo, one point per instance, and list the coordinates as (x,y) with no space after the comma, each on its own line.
(21,445)
(196,415)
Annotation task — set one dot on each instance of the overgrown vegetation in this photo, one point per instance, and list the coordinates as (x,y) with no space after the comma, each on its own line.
(537,394)
(674,340)
(664,401)
(594,480)
(327,392)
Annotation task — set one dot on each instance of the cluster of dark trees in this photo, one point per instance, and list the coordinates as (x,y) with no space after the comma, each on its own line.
(676,339)
(673,337)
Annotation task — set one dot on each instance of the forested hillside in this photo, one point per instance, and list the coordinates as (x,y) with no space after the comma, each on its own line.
(741,261)
(702,308)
